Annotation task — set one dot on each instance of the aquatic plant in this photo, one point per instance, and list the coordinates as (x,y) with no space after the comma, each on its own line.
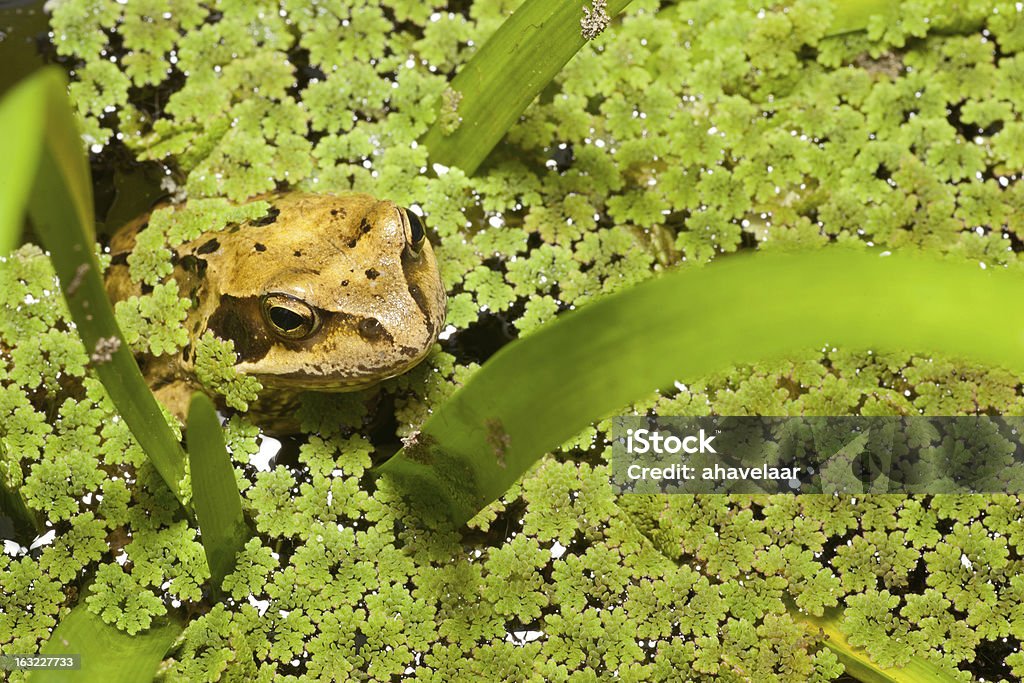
(682,134)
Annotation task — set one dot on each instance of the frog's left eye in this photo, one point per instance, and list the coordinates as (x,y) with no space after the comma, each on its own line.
(415,236)
(289,317)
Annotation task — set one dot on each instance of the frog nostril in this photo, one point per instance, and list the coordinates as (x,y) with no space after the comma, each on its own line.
(370,329)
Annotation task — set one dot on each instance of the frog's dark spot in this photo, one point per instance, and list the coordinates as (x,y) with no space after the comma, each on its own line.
(370,329)
(259,247)
(209,247)
(238,319)
(339,212)
(371,273)
(344,283)
(365,226)
(194,264)
(297,253)
(271,217)
(409,351)
(233,227)
(119,259)
(353,242)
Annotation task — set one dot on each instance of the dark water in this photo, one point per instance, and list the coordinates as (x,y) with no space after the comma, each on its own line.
(23,32)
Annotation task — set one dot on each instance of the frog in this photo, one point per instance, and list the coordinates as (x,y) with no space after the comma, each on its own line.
(325,292)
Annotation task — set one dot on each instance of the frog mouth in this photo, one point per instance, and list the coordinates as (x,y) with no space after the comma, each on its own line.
(326,384)
(362,377)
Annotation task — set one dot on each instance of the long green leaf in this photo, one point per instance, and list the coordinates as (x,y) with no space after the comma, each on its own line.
(683,325)
(108,655)
(499,82)
(215,493)
(60,206)
(22,111)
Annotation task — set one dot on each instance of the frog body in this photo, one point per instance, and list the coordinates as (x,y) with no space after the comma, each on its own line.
(325,292)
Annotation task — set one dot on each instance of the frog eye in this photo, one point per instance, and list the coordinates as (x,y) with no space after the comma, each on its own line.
(415,235)
(289,317)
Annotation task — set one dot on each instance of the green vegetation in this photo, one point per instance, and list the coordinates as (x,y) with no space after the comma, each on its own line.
(218,505)
(683,134)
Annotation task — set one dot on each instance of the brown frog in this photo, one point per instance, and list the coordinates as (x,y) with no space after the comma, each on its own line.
(325,293)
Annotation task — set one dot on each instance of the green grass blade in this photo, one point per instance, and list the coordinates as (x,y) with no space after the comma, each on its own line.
(508,72)
(60,206)
(536,393)
(108,654)
(21,110)
(215,495)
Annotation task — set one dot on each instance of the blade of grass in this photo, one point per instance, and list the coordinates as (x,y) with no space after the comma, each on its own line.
(509,71)
(215,495)
(21,110)
(685,324)
(107,654)
(60,206)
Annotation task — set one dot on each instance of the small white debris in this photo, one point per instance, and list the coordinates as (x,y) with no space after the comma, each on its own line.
(105,349)
(595,21)
(965,561)
(44,540)
(76,281)
(269,448)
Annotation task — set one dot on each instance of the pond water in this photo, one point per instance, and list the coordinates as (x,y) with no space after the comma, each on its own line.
(23,29)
